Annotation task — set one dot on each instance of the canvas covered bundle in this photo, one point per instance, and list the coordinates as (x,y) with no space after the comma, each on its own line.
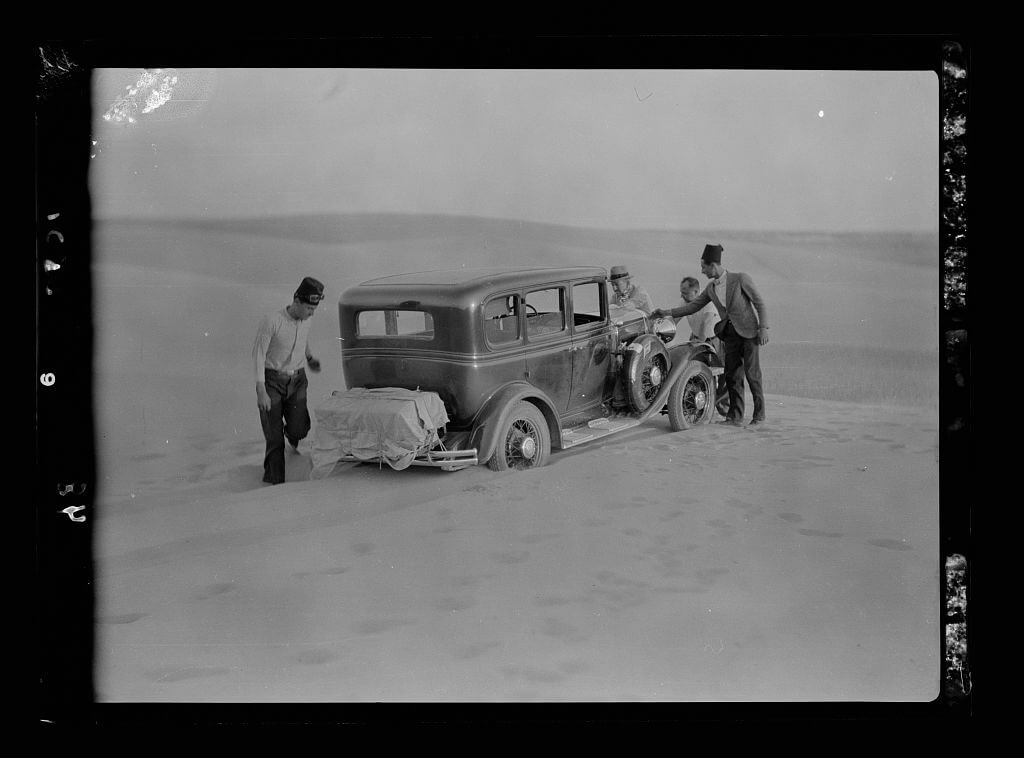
(389,424)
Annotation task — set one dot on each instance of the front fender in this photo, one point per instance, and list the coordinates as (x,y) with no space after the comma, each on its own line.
(489,418)
(695,351)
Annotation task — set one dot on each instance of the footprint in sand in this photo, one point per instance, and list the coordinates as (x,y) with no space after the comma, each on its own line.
(510,556)
(722,527)
(819,533)
(363,548)
(552,601)
(531,674)
(126,618)
(533,539)
(333,571)
(891,544)
(177,674)
(561,630)
(212,590)
(453,604)
(468,652)
(376,626)
(792,518)
(710,576)
(313,657)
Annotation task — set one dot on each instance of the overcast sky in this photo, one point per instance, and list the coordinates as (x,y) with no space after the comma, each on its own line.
(744,150)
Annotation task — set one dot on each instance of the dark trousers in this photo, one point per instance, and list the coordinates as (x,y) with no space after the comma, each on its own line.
(288,415)
(742,359)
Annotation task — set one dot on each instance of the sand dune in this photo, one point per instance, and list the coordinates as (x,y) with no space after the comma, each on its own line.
(795,562)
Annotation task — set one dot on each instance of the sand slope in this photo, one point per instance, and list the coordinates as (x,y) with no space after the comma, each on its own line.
(795,562)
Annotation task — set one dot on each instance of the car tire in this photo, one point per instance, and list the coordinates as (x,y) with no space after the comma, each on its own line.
(692,399)
(524,440)
(650,372)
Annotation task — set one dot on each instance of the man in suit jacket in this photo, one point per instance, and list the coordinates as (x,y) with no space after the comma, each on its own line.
(743,329)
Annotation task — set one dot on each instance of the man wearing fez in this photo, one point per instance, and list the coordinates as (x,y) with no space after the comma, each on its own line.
(743,329)
(280,355)
(625,294)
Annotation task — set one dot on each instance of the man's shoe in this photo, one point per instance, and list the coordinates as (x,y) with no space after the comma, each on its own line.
(756,422)
(294,444)
(731,422)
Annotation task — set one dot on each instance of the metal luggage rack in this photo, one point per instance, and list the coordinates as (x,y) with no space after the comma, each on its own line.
(448,460)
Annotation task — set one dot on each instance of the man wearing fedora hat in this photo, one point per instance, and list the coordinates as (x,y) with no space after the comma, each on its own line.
(280,356)
(625,294)
(743,328)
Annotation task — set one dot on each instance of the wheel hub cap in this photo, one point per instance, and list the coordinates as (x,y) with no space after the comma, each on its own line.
(529,447)
(656,376)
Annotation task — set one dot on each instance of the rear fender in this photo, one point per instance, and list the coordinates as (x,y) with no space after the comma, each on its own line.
(484,435)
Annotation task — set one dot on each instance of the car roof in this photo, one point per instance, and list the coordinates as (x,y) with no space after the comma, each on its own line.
(455,284)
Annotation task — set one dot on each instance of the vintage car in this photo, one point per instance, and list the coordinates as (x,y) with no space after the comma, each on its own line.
(523,360)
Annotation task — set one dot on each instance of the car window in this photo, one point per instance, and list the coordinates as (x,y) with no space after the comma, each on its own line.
(395,323)
(545,311)
(501,320)
(586,303)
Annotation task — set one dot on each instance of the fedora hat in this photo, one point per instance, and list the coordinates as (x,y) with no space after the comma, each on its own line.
(619,272)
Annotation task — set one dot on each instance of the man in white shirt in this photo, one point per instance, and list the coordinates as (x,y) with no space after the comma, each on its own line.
(280,356)
(702,323)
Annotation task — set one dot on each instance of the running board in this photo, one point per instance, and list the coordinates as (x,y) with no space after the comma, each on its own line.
(601,427)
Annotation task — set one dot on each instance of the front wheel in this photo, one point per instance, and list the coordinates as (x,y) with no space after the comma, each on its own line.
(523,441)
(692,399)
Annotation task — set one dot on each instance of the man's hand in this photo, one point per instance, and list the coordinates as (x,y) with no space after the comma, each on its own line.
(314,364)
(658,313)
(262,398)
(762,336)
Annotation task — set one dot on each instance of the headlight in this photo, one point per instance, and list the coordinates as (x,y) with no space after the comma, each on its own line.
(665,328)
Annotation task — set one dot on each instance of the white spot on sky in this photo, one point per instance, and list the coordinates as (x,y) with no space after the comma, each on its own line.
(821,114)
(154,88)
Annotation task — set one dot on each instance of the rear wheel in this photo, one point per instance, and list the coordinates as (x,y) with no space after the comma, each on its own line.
(692,399)
(523,441)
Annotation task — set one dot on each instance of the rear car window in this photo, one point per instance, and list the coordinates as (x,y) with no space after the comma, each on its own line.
(395,323)
(501,319)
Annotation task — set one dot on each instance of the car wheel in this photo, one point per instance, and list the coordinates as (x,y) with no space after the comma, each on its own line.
(649,377)
(524,440)
(692,399)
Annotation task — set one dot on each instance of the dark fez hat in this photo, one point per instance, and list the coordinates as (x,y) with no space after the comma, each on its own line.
(712,254)
(618,272)
(310,291)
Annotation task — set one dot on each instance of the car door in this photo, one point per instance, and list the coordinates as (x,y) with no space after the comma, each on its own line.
(591,346)
(549,343)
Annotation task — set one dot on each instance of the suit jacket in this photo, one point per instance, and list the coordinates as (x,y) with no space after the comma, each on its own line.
(743,304)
